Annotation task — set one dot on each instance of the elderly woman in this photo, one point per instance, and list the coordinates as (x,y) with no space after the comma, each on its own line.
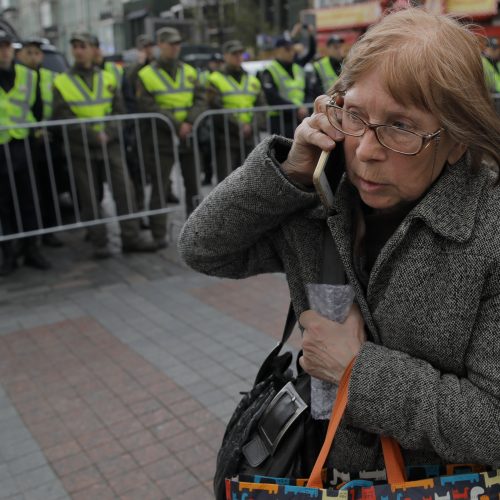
(416,223)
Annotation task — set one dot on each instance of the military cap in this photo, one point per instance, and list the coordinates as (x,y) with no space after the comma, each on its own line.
(81,36)
(283,41)
(94,40)
(216,57)
(335,39)
(493,43)
(34,40)
(232,46)
(168,35)
(143,41)
(6,37)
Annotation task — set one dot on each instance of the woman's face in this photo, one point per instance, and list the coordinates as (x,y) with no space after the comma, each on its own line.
(383,177)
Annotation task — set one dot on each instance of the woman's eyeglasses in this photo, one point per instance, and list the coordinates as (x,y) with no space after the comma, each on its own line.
(398,139)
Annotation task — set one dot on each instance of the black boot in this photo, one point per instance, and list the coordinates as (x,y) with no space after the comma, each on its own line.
(9,263)
(33,256)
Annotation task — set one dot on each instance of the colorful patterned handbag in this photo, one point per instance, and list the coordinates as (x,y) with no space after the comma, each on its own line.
(471,485)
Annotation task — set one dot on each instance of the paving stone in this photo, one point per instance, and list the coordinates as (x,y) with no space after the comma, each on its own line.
(31,479)
(49,491)
(27,462)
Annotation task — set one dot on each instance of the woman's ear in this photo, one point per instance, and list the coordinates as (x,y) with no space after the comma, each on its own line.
(456,152)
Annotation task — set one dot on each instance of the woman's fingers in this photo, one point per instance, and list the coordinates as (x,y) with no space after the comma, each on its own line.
(316,130)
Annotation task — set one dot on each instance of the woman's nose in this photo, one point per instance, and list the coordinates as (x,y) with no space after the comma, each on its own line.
(369,148)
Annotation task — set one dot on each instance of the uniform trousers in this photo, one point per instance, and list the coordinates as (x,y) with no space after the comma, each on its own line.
(159,171)
(91,170)
(18,190)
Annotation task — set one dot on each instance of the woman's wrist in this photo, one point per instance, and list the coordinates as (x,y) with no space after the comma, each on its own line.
(295,174)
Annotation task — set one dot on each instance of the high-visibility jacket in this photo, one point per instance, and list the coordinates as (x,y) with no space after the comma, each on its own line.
(491,75)
(84,102)
(326,73)
(174,95)
(116,70)
(47,78)
(291,89)
(203,77)
(237,95)
(16,104)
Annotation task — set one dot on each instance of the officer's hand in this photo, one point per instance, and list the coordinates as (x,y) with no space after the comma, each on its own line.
(328,347)
(247,130)
(185,129)
(313,135)
(102,137)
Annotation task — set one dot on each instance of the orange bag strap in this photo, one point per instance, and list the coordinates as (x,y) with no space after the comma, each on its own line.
(392,453)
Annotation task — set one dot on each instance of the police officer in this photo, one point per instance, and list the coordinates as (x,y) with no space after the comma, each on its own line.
(31,55)
(215,63)
(328,68)
(115,69)
(85,91)
(18,213)
(231,88)
(491,57)
(145,50)
(170,87)
(284,82)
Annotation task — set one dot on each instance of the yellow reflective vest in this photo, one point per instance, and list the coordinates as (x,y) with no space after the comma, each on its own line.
(47,78)
(84,102)
(16,104)
(115,70)
(176,95)
(491,75)
(237,95)
(291,89)
(326,73)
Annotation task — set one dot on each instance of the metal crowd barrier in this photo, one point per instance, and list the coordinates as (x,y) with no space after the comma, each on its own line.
(213,139)
(53,143)
(213,125)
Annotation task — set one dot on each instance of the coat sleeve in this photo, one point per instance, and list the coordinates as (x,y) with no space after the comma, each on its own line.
(237,230)
(394,394)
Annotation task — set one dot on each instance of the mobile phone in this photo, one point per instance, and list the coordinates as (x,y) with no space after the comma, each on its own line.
(328,172)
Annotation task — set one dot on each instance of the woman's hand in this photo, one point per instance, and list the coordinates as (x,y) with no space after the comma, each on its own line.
(313,135)
(328,347)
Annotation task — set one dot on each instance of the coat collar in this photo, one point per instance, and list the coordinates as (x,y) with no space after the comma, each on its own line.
(450,206)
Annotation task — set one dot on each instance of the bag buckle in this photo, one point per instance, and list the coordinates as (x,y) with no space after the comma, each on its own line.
(284,409)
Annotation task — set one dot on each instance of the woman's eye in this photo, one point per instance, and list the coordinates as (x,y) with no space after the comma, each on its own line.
(402,125)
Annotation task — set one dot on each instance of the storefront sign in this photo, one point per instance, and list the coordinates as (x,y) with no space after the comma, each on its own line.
(347,16)
(472,7)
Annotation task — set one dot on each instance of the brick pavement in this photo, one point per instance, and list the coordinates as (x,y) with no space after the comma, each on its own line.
(116,377)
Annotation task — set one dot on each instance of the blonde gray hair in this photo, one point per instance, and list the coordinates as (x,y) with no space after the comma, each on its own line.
(432,62)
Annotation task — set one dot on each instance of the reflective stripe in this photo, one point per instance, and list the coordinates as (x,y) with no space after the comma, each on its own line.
(85,102)
(174,94)
(161,76)
(15,105)
(80,85)
(326,73)
(290,88)
(237,95)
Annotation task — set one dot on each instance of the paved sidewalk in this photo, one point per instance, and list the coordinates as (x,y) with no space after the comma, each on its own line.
(117,377)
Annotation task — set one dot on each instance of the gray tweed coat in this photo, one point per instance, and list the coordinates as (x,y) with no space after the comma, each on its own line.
(430,374)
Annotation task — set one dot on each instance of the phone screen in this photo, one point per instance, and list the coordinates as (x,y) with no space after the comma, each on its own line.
(328,172)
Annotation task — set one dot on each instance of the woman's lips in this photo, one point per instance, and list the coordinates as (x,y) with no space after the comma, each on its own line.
(366,185)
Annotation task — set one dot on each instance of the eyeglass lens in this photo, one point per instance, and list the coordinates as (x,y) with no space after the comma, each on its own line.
(394,138)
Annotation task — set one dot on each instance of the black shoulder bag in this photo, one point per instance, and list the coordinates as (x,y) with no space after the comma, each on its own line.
(271,432)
